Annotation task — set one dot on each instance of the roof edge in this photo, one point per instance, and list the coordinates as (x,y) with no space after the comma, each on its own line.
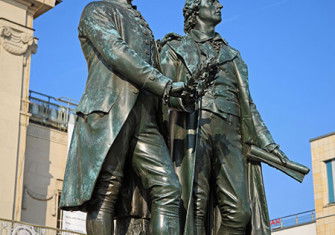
(322,136)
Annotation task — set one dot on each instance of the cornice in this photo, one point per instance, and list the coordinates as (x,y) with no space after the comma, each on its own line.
(36,7)
(24,2)
(322,137)
(39,7)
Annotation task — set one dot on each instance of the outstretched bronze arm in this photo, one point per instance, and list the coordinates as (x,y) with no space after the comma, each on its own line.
(293,169)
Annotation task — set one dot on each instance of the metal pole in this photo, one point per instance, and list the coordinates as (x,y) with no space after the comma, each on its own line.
(296,219)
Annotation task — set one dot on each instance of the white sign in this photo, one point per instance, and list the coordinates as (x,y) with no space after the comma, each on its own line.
(74,221)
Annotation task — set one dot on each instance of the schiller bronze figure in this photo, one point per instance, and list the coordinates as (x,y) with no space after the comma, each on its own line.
(210,146)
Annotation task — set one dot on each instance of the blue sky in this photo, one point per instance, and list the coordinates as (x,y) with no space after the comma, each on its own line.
(287,44)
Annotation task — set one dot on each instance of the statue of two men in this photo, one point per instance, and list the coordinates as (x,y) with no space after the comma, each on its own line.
(119,122)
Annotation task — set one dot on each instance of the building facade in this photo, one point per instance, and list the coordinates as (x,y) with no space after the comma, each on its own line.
(17,43)
(323,168)
(307,229)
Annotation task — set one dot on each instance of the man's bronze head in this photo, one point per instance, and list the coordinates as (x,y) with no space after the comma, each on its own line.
(210,9)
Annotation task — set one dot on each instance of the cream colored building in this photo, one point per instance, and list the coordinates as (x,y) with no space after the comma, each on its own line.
(323,168)
(307,229)
(17,43)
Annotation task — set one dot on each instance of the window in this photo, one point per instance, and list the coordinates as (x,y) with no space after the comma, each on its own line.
(330,165)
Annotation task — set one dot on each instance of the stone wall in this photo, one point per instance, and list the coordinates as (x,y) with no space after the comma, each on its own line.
(45,161)
(323,149)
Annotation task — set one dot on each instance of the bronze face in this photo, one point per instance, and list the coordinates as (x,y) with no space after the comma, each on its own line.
(210,12)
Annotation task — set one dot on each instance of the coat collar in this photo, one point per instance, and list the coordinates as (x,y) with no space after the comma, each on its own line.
(200,37)
(226,53)
(188,49)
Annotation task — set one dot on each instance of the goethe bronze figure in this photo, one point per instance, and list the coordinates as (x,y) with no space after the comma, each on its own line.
(216,136)
(117,121)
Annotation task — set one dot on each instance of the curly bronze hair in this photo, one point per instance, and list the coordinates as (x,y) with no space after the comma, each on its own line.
(190,11)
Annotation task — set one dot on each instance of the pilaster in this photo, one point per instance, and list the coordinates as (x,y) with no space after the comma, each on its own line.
(17,43)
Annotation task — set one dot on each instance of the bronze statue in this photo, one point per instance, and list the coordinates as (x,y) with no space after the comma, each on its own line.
(117,121)
(218,148)
(210,146)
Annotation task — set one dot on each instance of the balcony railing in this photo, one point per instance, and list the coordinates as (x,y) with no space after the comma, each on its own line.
(50,111)
(10,227)
(306,217)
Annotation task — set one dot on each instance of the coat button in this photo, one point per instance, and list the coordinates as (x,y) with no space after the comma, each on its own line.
(151,78)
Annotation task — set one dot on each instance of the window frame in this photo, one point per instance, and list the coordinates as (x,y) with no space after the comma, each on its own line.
(330,175)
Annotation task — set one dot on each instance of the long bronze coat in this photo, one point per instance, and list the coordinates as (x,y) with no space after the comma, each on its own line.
(179,60)
(119,48)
